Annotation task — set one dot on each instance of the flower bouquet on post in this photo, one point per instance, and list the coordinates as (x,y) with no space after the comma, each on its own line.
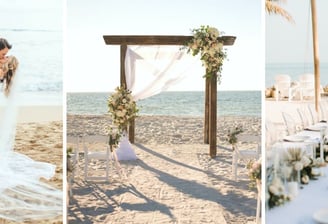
(122,109)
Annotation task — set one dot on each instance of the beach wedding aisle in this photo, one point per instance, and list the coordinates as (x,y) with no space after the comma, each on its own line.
(173,180)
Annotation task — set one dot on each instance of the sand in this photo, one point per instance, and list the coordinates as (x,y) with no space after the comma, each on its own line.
(173,180)
(39,135)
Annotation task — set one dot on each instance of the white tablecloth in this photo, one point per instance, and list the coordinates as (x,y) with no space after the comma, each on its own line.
(310,199)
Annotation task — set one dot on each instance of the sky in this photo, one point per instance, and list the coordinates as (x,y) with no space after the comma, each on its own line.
(92,66)
(37,14)
(288,42)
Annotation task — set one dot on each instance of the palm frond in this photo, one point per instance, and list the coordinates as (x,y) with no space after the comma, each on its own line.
(272,7)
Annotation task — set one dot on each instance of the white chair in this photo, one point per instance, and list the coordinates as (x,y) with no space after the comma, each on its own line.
(324,110)
(245,154)
(283,87)
(103,156)
(314,114)
(72,168)
(306,86)
(290,124)
(304,119)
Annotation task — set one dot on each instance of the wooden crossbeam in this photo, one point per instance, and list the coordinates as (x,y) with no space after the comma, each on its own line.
(156,40)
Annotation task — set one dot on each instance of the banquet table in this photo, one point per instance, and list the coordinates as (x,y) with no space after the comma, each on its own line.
(301,209)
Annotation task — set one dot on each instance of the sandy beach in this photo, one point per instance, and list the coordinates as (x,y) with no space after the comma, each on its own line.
(173,180)
(39,136)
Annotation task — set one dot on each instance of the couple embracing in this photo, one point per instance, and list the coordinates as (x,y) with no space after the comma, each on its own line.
(23,195)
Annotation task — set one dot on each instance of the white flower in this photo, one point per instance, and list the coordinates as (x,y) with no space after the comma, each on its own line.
(298,166)
(276,187)
(305,179)
(119,113)
(306,161)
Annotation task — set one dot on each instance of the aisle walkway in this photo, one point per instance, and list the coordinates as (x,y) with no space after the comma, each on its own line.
(168,184)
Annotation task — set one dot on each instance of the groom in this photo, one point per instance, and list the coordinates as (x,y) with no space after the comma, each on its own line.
(4,48)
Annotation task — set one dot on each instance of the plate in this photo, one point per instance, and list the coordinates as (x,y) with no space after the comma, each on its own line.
(315,128)
(296,138)
(321,216)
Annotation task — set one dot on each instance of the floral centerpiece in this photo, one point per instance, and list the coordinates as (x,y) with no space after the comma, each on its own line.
(122,108)
(206,42)
(275,194)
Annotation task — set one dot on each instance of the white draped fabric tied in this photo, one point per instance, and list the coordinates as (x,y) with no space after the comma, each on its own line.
(152,69)
(149,70)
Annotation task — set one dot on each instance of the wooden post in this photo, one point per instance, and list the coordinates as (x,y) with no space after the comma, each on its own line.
(206,113)
(315,55)
(123,54)
(212,116)
(123,83)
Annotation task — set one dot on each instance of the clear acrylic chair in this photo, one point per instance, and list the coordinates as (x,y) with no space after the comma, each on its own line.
(314,114)
(290,124)
(324,110)
(304,119)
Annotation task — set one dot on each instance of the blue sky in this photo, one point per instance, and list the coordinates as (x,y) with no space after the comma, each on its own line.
(292,42)
(91,65)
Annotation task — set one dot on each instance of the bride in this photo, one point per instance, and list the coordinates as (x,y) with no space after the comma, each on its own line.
(23,195)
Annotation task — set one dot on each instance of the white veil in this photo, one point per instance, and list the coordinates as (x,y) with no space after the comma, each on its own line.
(23,196)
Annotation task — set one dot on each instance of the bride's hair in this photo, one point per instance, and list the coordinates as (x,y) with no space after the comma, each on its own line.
(9,70)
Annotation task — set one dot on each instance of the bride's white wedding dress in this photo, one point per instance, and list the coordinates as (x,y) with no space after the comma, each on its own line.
(23,196)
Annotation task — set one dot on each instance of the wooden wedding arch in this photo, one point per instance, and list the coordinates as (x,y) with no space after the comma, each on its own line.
(210,118)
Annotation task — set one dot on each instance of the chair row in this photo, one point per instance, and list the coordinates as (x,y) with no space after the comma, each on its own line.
(307,116)
(285,88)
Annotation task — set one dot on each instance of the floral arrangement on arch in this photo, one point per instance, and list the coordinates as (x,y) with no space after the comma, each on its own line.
(205,41)
(122,108)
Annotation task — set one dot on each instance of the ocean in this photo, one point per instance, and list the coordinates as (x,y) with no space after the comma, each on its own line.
(230,103)
(294,70)
(40,55)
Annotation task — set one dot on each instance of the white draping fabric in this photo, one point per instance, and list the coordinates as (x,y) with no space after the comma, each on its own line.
(152,69)
(23,195)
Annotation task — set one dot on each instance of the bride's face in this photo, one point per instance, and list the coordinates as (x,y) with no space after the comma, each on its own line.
(3,53)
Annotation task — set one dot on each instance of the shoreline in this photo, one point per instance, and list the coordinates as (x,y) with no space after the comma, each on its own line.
(38,113)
